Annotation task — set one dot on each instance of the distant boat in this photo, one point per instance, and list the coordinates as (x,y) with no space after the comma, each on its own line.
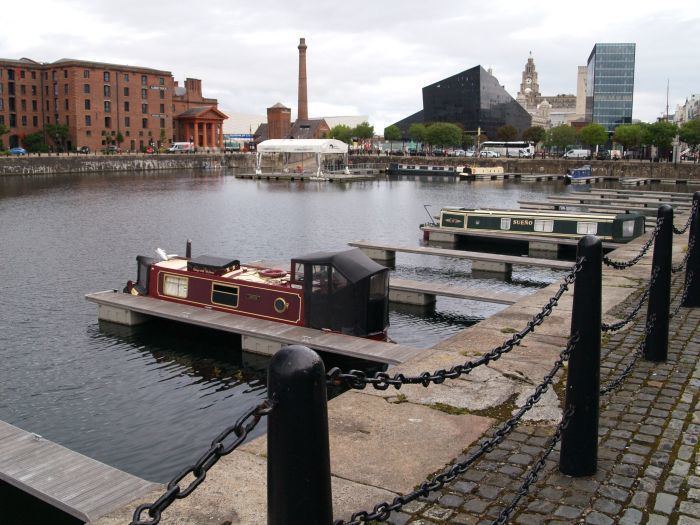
(582,175)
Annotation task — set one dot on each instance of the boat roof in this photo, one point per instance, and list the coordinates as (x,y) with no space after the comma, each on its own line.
(543,213)
(352,263)
(302,146)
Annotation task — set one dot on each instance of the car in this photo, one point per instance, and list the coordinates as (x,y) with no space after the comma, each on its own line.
(457,153)
(488,154)
(83,149)
(397,152)
(111,149)
(578,154)
(18,151)
(439,152)
(470,153)
(149,149)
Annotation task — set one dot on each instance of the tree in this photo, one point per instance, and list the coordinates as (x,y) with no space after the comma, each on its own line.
(417,132)
(560,136)
(661,135)
(507,133)
(593,135)
(467,141)
(342,132)
(392,133)
(689,133)
(628,135)
(443,134)
(59,134)
(34,142)
(3,131)
(363,131)
(120,138)
(534,134)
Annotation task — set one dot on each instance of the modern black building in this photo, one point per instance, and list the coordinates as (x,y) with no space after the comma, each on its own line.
(610,85)
(473,99)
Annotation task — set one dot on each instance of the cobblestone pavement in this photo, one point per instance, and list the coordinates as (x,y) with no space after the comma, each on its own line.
(648,456)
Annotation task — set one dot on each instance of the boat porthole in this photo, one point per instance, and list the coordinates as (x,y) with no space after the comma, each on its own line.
(280,305)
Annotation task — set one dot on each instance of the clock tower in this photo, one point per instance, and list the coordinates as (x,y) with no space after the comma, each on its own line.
(529,94)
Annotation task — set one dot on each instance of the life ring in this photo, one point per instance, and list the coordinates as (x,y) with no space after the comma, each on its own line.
(273,272)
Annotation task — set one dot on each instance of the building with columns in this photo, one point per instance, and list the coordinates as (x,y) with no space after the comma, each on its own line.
(101,103)
(546,111)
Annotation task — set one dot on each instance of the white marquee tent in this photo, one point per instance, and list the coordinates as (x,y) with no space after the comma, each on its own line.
(286,147)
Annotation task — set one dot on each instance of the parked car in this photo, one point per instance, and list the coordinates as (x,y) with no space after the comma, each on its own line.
(18,151)
(111,149)
(438,152)
(83,149)
(397,152)
(457,153)
(488,154)
(578,154)
(470,153)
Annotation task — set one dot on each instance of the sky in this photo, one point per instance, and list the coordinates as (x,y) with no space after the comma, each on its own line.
(364,58)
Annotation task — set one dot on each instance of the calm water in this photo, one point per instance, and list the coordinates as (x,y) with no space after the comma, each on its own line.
(148,400)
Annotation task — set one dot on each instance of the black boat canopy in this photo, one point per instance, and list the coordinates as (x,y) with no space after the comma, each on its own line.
(353,263)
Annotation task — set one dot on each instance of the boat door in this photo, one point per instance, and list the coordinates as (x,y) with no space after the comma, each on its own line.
(317,294)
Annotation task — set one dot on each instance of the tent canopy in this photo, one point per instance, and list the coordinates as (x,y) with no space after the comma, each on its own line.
(324,146)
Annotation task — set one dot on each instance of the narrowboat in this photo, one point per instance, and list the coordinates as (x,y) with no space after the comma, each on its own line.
(617,228)
(412,169)
(344,292)
(580,175)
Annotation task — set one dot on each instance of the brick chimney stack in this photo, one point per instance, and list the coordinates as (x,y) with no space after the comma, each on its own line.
(303,106)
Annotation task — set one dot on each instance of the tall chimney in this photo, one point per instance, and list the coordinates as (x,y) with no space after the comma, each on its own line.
(303,103)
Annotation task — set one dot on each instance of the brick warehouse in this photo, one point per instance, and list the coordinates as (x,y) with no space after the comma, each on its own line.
(99,101)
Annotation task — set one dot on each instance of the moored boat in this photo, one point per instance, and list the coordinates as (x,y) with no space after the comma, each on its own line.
(344,292)
(620,227)
(580,175)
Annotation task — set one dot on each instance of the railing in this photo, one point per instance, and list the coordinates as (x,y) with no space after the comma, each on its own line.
(297,414)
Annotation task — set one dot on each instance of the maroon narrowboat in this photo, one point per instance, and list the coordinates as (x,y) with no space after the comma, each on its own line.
(344,292)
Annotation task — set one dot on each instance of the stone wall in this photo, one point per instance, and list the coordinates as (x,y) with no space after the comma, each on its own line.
(34,165)
(654,170)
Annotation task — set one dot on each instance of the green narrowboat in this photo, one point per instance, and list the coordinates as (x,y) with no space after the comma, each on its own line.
(621,227)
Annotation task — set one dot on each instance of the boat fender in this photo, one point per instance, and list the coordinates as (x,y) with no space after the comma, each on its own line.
(273,272)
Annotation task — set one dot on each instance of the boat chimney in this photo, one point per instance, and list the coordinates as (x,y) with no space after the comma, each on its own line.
(188,249)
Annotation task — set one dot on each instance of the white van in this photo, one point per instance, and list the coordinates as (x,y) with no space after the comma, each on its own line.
(181,147)
(578,154)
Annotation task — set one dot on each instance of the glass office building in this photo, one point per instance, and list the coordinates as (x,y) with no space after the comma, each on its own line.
(610,85)
(473,99)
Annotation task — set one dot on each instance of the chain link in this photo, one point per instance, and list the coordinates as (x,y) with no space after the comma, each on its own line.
(681,266)
(633,313)
(621,265)
(358,379)
(682,230)
(689,279)
(241,428)
(612,385)
(533,473)
(382,511)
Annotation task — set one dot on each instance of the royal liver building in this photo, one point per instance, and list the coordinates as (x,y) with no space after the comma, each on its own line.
(548,111)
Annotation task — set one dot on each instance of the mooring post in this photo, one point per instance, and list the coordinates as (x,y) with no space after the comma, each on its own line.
(579,443)
(659,307)
(692,268)
(298,458)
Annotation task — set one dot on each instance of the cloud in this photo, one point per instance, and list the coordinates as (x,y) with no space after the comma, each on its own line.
(364,57)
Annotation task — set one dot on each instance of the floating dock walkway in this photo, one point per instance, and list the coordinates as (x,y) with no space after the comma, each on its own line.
(258,336)
(76,484)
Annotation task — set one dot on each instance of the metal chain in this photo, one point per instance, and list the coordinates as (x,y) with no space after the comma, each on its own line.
(533,473)
(381,380)
(241,428)
(689,279)
(382,511)
(612,385)
(621,265)
(693,209)
(681,266)
(633,313)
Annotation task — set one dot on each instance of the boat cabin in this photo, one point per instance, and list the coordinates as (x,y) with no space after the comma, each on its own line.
(622,227)
(345,292)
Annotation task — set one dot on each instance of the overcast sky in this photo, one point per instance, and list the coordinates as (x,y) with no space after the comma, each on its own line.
(369,58)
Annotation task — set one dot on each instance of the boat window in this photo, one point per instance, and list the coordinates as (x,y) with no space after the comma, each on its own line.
(299,272)
(320,278)
(544,225)
(379,286)
(224,295)
(175,286)
(338,279)
(627,228)
(586,228)
(505,223)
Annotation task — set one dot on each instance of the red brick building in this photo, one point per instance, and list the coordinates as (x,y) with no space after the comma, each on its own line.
(100,103)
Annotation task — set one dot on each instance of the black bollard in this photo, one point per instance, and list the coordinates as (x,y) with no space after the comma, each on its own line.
(692,269)
(298,462)
(659,307)
(579,443)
